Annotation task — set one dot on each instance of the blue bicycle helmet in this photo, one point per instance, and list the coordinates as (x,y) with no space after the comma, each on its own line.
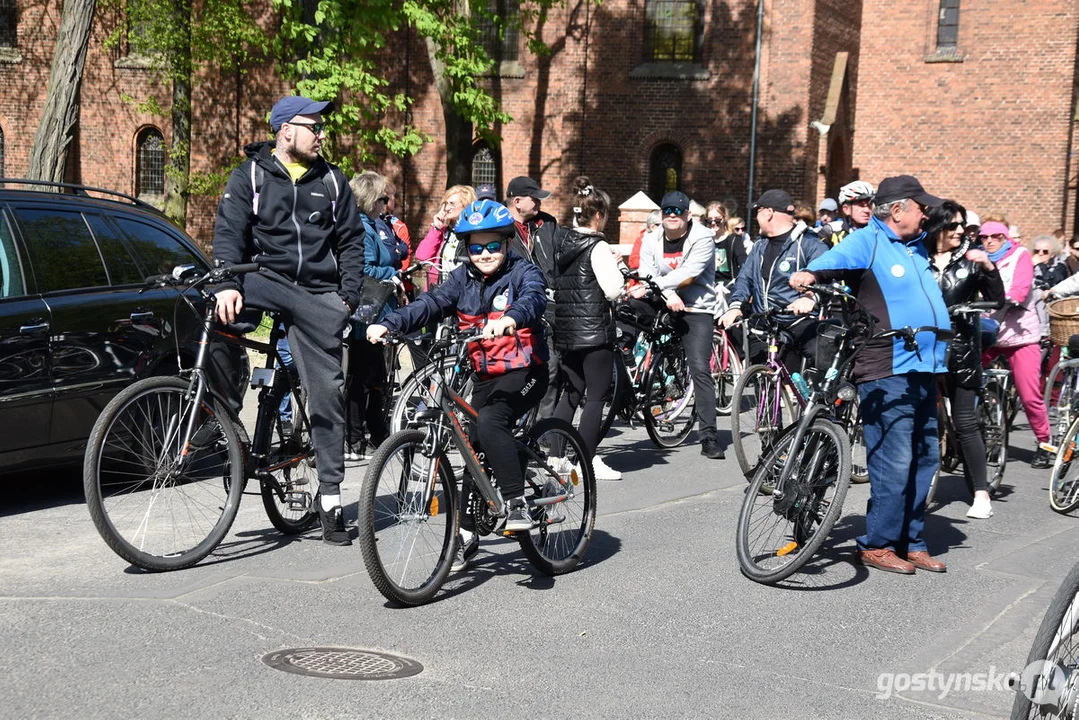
(484,216)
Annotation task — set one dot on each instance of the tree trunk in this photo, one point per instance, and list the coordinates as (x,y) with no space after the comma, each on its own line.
(55,133)
(178,170)
(458,131)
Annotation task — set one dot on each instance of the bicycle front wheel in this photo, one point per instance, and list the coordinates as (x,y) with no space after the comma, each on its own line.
(1060,399)
(760,412)
(994,427)
(670,405)
(158,504)
(780,528)
(1049,685)
(561,491)
(408,518)
(1064,482)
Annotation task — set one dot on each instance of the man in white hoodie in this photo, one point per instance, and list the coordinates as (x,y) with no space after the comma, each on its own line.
(679,256)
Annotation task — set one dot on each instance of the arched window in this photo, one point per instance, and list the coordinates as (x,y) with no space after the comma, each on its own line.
(664,171)
(150,163)
(672,31)
(484,165)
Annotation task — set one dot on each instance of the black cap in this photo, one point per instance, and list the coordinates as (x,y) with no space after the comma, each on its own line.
(778,200)
(526,187)
(902,187)
(485,191)
(675,199)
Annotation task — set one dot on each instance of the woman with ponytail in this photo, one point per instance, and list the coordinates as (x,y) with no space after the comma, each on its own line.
(586,280)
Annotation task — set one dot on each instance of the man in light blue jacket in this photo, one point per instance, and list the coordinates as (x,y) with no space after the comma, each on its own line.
(679,256)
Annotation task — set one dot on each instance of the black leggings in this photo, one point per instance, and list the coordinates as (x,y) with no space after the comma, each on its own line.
(965,420)
(586,369)
(501,401)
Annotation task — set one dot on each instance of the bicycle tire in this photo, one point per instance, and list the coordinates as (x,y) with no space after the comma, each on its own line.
(995,433)
(726,367)
(408,549)
(669,405)
(415,393)
(1056,643)
(1060,410)
(154,508)
(942,439)
(289,486)
(749,440)
(561,531)
(813,495)
(1064,482)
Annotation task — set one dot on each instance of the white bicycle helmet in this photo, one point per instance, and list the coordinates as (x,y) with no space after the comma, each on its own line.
(857,190)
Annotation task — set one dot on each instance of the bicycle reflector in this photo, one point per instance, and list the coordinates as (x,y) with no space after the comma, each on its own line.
(787,549)
(434,506)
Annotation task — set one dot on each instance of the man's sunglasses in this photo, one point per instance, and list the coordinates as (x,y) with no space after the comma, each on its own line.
(674,211)
(491,247)
(316,128)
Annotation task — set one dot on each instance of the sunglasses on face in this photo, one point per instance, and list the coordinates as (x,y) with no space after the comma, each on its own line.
(491,247)
(316,128)
(953,226)
(713,222)
(1041,251)
(673,211)
(740,229)
(384,199)
(998,237)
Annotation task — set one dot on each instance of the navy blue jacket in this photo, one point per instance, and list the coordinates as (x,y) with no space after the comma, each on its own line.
(749,287)
(894,282)
(516,289)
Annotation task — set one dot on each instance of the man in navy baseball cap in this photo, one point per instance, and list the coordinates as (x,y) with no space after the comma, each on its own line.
(288,107)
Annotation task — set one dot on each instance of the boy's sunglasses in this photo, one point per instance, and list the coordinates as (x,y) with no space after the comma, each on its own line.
(491,247)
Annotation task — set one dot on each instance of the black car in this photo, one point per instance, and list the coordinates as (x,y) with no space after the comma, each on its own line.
(76,322)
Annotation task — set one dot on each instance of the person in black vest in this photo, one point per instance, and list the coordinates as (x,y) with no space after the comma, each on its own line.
(586,279)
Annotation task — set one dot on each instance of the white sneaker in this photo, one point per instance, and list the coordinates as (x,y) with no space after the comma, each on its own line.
(603,471)
(982,509)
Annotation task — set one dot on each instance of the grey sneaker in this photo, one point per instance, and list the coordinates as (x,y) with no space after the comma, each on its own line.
(465,553)
(518,519)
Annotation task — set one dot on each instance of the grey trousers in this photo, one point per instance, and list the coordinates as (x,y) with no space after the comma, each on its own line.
(316,325)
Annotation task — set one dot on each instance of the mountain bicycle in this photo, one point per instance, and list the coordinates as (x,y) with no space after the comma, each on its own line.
(991,409)
(168,458)
(409,511)
(797,491)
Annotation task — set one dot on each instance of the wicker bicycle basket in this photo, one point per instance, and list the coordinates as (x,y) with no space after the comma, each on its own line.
(1063,319)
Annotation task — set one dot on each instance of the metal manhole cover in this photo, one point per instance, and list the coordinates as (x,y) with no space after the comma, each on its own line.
(343,663)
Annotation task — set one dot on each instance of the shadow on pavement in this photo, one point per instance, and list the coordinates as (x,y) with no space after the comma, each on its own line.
(40,489)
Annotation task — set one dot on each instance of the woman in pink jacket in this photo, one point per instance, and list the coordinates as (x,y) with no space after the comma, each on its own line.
(1020,330)
(440,244)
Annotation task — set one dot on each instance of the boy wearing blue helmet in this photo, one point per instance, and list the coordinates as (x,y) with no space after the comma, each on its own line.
(505,295)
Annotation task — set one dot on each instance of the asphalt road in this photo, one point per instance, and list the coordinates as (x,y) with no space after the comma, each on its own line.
(658,622)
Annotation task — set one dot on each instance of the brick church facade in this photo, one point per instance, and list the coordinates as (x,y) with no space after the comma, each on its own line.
(976,98)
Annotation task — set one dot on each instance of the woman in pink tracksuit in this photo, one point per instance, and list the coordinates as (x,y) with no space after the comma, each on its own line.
(1020,330)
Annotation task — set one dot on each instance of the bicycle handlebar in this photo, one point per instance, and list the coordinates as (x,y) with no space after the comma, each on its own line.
(973,307)
(182,275)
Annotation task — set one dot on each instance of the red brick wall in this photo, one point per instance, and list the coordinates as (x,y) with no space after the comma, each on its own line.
(993,131)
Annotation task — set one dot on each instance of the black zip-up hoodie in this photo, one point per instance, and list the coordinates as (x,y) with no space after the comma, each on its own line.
(295,232)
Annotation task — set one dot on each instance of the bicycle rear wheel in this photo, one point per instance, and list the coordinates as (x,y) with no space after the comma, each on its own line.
(761,411)
(158,505)
(408,518)
(726,367)
(1049,685)
(778,533)
(289,484)
(1064,482)
(561,491)
(669,405)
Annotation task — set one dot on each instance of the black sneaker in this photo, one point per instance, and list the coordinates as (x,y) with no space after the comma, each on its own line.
(710,449)
(519,519)
(333,526)
(465,553)
(1042,459)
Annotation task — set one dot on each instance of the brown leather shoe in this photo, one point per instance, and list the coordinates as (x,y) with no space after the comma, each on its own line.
(924,561)
(886,560)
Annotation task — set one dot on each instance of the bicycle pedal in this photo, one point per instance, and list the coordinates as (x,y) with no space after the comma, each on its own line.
(1048,447)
